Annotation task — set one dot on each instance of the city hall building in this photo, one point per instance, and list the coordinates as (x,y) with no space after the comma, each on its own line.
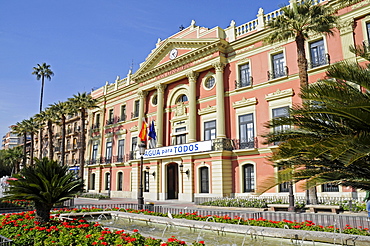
(209,94)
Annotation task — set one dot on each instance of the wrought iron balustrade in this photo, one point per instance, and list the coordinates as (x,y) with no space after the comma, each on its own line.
(320,61)
(278,73)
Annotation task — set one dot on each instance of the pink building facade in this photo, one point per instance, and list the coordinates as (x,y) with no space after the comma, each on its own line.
(209,93)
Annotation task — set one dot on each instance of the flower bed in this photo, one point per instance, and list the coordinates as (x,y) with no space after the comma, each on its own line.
(304,225)
(24,230)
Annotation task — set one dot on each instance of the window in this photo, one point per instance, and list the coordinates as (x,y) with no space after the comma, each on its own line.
(108,152)
(180,138)
(317,52)
(136,109)
(204,180)
(110,117)
(210,82)
(281,112)
(182,98)
(244,76)
(248,178)
(155,100)
(92,181)
(119,181)
(123,113)
(246,131)
(121,150)
(146,181)
(368,31)
(284,187)
(278,66)
(97,121)
(94,153)
(210,130)
(133,148)
(330,187)
(107,181)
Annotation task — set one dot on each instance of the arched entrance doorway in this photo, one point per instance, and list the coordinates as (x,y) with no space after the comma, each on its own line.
(172,181)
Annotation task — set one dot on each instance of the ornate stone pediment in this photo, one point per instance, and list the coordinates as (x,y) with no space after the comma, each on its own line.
(245,102)
(279,94)
(134,129)
(207,110)
(185,53)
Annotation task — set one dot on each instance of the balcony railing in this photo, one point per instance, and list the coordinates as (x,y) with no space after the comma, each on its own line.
(122,118)
(249,143)
(118,158)
(278,73)
(245,83)
(57,148)
(95,126)
(320,61)
(134,115)
(109,122)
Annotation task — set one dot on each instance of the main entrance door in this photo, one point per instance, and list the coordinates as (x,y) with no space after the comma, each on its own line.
(172,181)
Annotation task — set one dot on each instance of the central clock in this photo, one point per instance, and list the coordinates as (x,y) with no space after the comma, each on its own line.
(173,54)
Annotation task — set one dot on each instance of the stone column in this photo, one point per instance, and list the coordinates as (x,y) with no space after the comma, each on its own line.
(220,100)
(192,76)
(142,95)
(160,111)
(346,34)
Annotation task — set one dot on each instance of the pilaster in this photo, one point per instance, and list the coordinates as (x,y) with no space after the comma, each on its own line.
(192,76)
(160,111)
(220,100)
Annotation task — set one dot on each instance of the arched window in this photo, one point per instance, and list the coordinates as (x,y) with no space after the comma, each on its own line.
(248,178)
(92,181)
(204,180)
(107,181)
(182,98)
(119,181)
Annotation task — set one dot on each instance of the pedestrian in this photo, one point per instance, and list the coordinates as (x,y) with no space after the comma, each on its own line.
(367,200)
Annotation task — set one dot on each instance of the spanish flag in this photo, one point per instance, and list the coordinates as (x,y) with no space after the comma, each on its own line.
(143,132)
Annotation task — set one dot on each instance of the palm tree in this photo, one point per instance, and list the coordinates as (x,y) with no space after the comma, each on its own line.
(9,160)
(40,119)
(61,110)
(83,102)
(32,127)
(20,130)
(298,22)
(42,72)
(47,183)
(332,131)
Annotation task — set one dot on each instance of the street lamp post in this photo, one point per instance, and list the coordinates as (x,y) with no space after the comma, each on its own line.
(140,198)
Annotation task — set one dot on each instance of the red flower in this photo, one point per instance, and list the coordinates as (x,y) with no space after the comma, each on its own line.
(202,242)
(135,230)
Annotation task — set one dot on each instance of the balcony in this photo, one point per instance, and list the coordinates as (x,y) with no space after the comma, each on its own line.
(95,127)
(57,148)
(109,122)
(134,115)
(277,73)
(320,61)
(250,143)
(106,160)
(121,119)
(244,83)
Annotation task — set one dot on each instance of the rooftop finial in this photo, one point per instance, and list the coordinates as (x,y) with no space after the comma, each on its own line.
(181,28)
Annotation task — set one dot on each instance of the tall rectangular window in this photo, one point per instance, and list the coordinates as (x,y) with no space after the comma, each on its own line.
(97,121)
(210,130)
(110,117)
(107,181)
(123,113)
(368,32)
(146,181)
(248,172)
(244,76)
(108,152)
(121,150)
(136,108)
(281,112)
(284,187)
(246,131)
(330,187)
(204,180)
(133,148)
(119,181)
(317,52)
(278,65)
(180,138)
(94,153)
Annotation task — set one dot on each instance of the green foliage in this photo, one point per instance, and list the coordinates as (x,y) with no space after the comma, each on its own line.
(93,195)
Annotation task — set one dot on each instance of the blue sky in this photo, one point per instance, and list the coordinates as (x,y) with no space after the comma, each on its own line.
(88,42)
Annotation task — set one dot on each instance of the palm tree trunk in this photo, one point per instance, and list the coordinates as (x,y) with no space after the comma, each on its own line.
(42,212)
(83,144)
(40,143)
(42,92)
(302,61)
(50,137)
(24,149)
(63,151)
(32,148)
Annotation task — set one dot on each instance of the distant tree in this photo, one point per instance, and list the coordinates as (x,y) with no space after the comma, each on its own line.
(46,184)
(20,129)
(42,72)
(61,110)
(82,102)
(32,127)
